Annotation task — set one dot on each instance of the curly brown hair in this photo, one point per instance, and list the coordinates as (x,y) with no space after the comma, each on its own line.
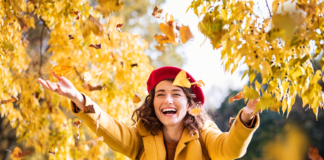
(146,112)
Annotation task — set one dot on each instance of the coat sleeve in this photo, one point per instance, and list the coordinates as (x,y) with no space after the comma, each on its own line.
(118,136)
(228,145)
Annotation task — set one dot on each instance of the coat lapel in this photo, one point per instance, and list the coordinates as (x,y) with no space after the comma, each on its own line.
(159,140)
(185,138)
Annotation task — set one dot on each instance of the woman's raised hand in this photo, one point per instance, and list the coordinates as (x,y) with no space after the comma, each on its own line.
(65,88)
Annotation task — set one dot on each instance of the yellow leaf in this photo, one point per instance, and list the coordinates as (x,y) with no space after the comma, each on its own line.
(245,72)
(96,26)
(236,97)
(181,80)
(199,83)
(168,31)
(195,111)
(61,70)
(136,98)
(185,34)
(265,68)
(13,99)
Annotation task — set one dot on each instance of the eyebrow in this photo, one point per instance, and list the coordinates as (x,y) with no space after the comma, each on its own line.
(162,90)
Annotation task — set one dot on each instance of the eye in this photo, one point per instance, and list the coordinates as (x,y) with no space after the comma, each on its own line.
(159,95)
(177,94)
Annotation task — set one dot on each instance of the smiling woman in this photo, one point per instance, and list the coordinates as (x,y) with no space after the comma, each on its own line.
(164,129)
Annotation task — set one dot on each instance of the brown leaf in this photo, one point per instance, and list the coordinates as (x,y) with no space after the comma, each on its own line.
(230,123)
(51,152)
(119,26)
(195,111)
(71,36)
(185,34)
(61,70)
(89,109)
(136,98)
(134,65)
(162,39)
(94,141)
(313,153)
(17,154)
(13,99)
(108,37)
(97,46)
(236,97)
(156,12)
(23,24)
(77,14)
(199,83)
(98,30)
(77,124)
(168,31)
(310,9)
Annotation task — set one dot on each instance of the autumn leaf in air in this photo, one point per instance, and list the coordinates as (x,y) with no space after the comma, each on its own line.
(51,152)
(96,46)
(94,141)
(136,98)
(119,26)
(160,47)
(97,27)
(195,111)
(77,14)
(134,65)
(169,32)
(185,34)
(9,100)
(236,97)
(199,83)
(17,154)
(313,153)
(61,70)
(157,12)
(181,80)
(71,36)
(77,124)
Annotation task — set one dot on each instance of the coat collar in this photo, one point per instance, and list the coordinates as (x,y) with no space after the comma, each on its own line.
(154,144)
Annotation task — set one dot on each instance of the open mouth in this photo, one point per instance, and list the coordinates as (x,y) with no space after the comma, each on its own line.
(169,111)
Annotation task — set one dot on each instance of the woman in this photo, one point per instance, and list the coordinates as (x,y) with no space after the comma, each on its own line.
(164,128)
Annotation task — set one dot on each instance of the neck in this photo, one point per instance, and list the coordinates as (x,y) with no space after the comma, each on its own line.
(173,133)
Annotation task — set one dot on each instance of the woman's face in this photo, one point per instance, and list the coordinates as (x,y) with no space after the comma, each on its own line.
(170,103)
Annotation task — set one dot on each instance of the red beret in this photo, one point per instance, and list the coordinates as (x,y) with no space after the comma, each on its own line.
(167,72)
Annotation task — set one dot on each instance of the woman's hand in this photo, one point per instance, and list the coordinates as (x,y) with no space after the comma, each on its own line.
(65,88)
(247,114)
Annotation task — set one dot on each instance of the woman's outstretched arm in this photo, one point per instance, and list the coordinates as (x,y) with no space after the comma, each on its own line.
(232,144)
(118,136)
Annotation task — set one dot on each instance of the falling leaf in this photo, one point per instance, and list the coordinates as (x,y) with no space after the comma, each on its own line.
(236,97)
(98,29)
(71,36)
(89,109)
(156,12)
(199,83)
(134,65)
(185,34)
(160,47)
(13,99)
(230,123)
(94,141)
(181,80)
(313,153)
(108,36)
(195,111)
(17,154)
(119,26)
(97,46)
(77,124)
(51,152)
(77,14)
(136,98)
(61,70)
(97,121)
(162,39)
(168,31)
(78,135)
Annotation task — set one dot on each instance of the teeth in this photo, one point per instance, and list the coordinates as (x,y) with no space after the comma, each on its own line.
(169,109)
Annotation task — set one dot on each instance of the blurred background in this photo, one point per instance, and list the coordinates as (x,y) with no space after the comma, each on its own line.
(278,137)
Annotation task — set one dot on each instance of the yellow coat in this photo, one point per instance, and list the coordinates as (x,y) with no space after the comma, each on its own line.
(129,140)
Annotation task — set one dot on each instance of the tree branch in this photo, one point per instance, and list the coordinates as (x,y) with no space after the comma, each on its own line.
(268,8)
(40,51)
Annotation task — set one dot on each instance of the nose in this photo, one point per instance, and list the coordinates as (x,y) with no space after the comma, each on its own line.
(168,99)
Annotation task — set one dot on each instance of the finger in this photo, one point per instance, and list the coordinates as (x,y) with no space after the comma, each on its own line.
(60,88)
(43,83)
(58,77)
(50,85)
